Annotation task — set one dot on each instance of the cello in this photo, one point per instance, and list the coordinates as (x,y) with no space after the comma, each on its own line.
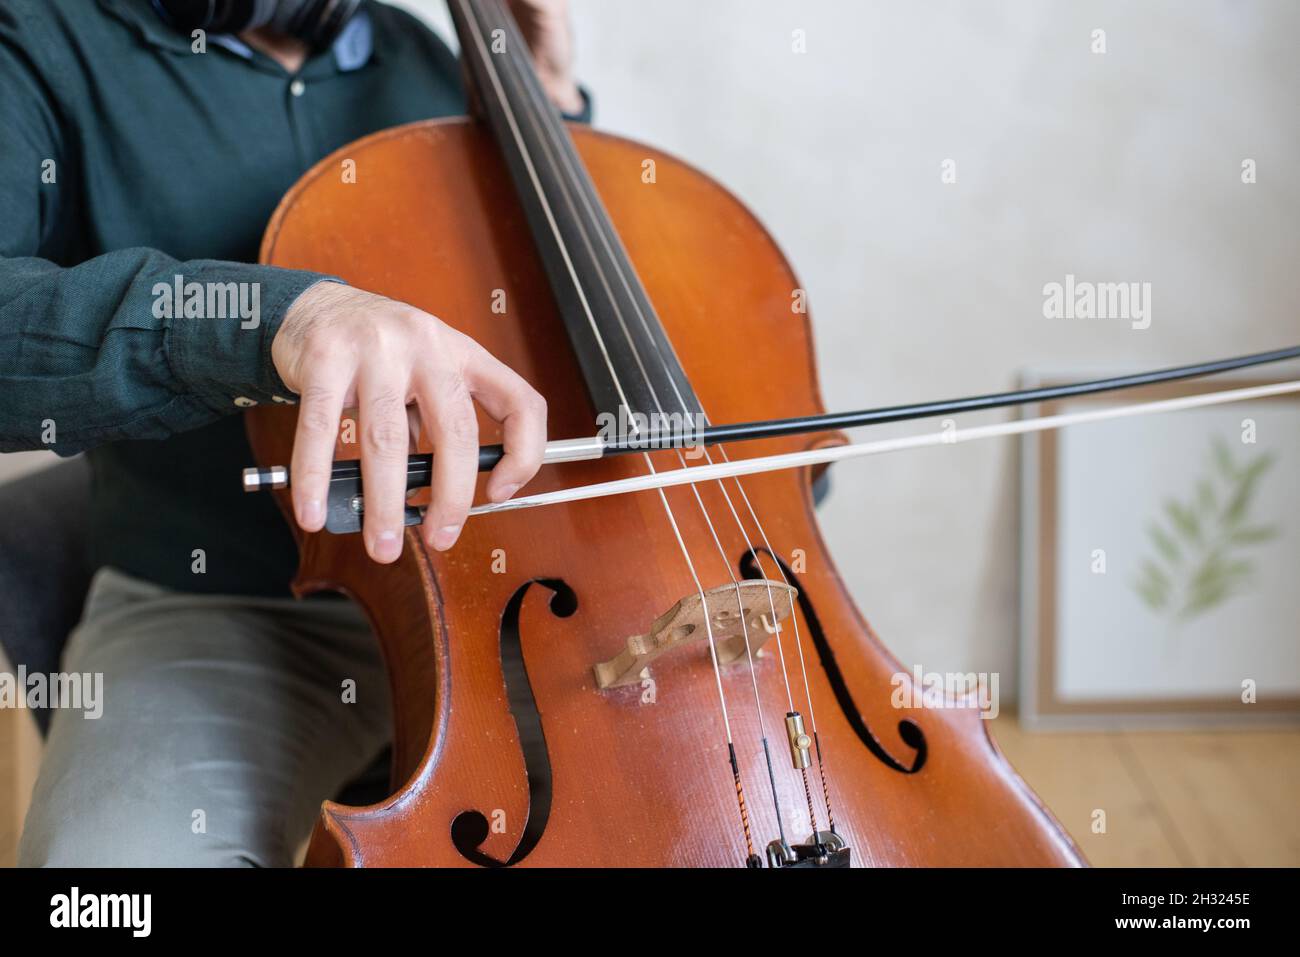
(672,678)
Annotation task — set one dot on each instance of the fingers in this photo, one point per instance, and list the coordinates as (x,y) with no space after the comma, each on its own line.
(521,411)
(319,410)
(352,348)
(447,412)
(384,444)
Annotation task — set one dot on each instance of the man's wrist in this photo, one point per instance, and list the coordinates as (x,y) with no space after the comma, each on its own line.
(564,92)
(295,325)
(582,111)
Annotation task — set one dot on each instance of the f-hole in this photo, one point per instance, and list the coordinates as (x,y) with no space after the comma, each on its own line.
(908,729)
(470,828)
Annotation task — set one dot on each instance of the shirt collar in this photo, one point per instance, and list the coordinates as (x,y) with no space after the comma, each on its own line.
(353,48)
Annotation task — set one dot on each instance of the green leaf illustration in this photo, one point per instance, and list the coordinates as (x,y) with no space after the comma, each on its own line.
(1197,565)
(1223,458)
(1253,536)
(1205,499)
(1184,520)
(1153,585)
(1165,544)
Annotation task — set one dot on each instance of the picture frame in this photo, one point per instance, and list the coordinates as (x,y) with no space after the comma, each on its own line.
(1159,562)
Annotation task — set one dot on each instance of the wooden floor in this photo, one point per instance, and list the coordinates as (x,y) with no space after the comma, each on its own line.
(20,749)
(1170,798)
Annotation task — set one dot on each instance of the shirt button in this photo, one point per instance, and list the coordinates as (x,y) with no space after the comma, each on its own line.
(244,401)
(297,88)
(282,399)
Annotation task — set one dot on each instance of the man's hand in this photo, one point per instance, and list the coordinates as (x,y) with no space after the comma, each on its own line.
(545,25)
(338,348)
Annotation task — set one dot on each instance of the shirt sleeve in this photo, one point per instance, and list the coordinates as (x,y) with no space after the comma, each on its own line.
(132,344)
(583,115)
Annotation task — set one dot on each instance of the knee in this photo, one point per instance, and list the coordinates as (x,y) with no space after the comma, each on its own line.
(136,838)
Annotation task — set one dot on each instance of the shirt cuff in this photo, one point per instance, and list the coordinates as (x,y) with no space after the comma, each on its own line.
(584,114)
(219,349)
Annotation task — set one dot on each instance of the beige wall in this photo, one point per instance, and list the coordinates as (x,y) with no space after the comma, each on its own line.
(1123,166)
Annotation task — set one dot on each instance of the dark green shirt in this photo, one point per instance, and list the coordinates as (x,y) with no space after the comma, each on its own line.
(128,159)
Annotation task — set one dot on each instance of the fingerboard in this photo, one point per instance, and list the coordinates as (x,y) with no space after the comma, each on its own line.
(626,358)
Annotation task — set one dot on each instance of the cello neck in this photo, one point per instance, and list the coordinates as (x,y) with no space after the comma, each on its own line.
(626,359)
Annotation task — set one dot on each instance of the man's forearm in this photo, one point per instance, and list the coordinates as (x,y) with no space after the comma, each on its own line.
(134,345)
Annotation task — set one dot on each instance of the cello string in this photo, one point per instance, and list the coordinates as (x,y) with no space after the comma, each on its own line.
(798,644)
(574,184)
(794,620)
(583,188)
(717,670)
(553,144)
(750,546)
(467,12)
(789,460)
(473,27)
(749,652)
(513,52)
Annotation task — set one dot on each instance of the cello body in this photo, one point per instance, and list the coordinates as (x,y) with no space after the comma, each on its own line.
(492,645)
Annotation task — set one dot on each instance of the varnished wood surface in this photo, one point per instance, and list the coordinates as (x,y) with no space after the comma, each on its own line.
(1209,798)
(431,221)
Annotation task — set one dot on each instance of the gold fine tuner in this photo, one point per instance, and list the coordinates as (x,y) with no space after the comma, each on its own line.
(799,740)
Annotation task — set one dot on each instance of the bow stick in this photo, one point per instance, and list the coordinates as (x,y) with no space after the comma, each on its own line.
(346,475)
(790,460)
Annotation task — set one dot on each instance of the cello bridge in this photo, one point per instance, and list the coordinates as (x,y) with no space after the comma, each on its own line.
(731,612)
